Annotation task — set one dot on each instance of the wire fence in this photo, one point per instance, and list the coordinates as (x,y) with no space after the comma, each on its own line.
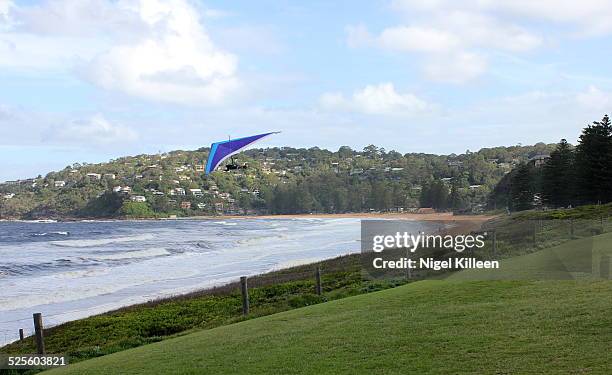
(9,329)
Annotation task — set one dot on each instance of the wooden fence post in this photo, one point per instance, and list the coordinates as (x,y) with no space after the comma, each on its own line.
(535,231)
(572,228)
(20,334)
(38,331)
(318,288)
(494,242)
(408,269)
(604,266)
(245,295)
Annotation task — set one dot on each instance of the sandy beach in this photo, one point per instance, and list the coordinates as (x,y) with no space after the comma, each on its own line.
(437,216)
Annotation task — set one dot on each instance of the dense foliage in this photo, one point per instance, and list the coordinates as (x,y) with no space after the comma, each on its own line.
(278,180)
(569,177)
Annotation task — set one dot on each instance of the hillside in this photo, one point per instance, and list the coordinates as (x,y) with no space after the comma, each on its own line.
(278,180)
(424,327)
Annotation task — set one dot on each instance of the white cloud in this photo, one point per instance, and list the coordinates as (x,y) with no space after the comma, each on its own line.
(449,37)
(5,8)
(455,68)
(588,17)
(381,99)
(420,39)
(94,130)
(358,36)
(151,49)
(596,99)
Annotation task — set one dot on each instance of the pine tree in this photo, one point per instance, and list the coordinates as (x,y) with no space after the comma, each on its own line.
(558,181)
(521,191)
(456,200)
(594,163)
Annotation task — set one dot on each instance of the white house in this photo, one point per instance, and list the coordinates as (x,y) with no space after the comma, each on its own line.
(8,195)
(96,176)
(138,198)
(177,191)
(110,176)
(116,189)
(59,183)
(196,192)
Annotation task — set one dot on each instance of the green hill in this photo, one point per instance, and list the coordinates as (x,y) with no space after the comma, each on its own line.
(278,180)
(426,327)
(576,259)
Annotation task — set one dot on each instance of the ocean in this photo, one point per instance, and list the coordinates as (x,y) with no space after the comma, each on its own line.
(70,270)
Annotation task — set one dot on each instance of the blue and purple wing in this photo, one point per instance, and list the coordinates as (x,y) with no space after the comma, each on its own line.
(219,151)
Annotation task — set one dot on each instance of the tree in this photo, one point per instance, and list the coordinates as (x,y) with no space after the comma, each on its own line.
(435,195)
(521,191)
(558,180)
(456,200)
(136,209)
(594,162)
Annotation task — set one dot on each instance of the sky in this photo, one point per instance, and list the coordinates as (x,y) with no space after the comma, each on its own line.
(91,80)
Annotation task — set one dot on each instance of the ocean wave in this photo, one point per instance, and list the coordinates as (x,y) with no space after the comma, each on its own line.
(50,234)
(225,223)
(102,241)
(147,253)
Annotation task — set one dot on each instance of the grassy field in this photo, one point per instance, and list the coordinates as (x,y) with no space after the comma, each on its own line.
(501,327)
(575,259)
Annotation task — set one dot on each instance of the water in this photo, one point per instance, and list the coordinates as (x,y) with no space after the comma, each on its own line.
(72,270)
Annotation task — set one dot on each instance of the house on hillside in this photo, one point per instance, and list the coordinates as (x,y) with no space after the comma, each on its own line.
(177,191)
(138,198)
(186,205)
(110,176)
(196,192)
(539,160)
(59,184)
(95,176)
(8,195)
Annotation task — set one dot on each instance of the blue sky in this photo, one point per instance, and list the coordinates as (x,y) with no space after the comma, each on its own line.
(90,80)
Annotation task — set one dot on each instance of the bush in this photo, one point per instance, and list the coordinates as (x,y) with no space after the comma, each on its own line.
(305,300)
(136,209)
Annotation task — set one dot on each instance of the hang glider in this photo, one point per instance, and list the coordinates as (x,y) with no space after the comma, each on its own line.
(220,151)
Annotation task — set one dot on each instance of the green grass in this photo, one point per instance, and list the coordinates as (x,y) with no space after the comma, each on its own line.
(573,259)
(501,327)
(591,211)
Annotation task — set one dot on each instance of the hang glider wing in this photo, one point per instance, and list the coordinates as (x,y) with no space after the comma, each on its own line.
(219,151)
